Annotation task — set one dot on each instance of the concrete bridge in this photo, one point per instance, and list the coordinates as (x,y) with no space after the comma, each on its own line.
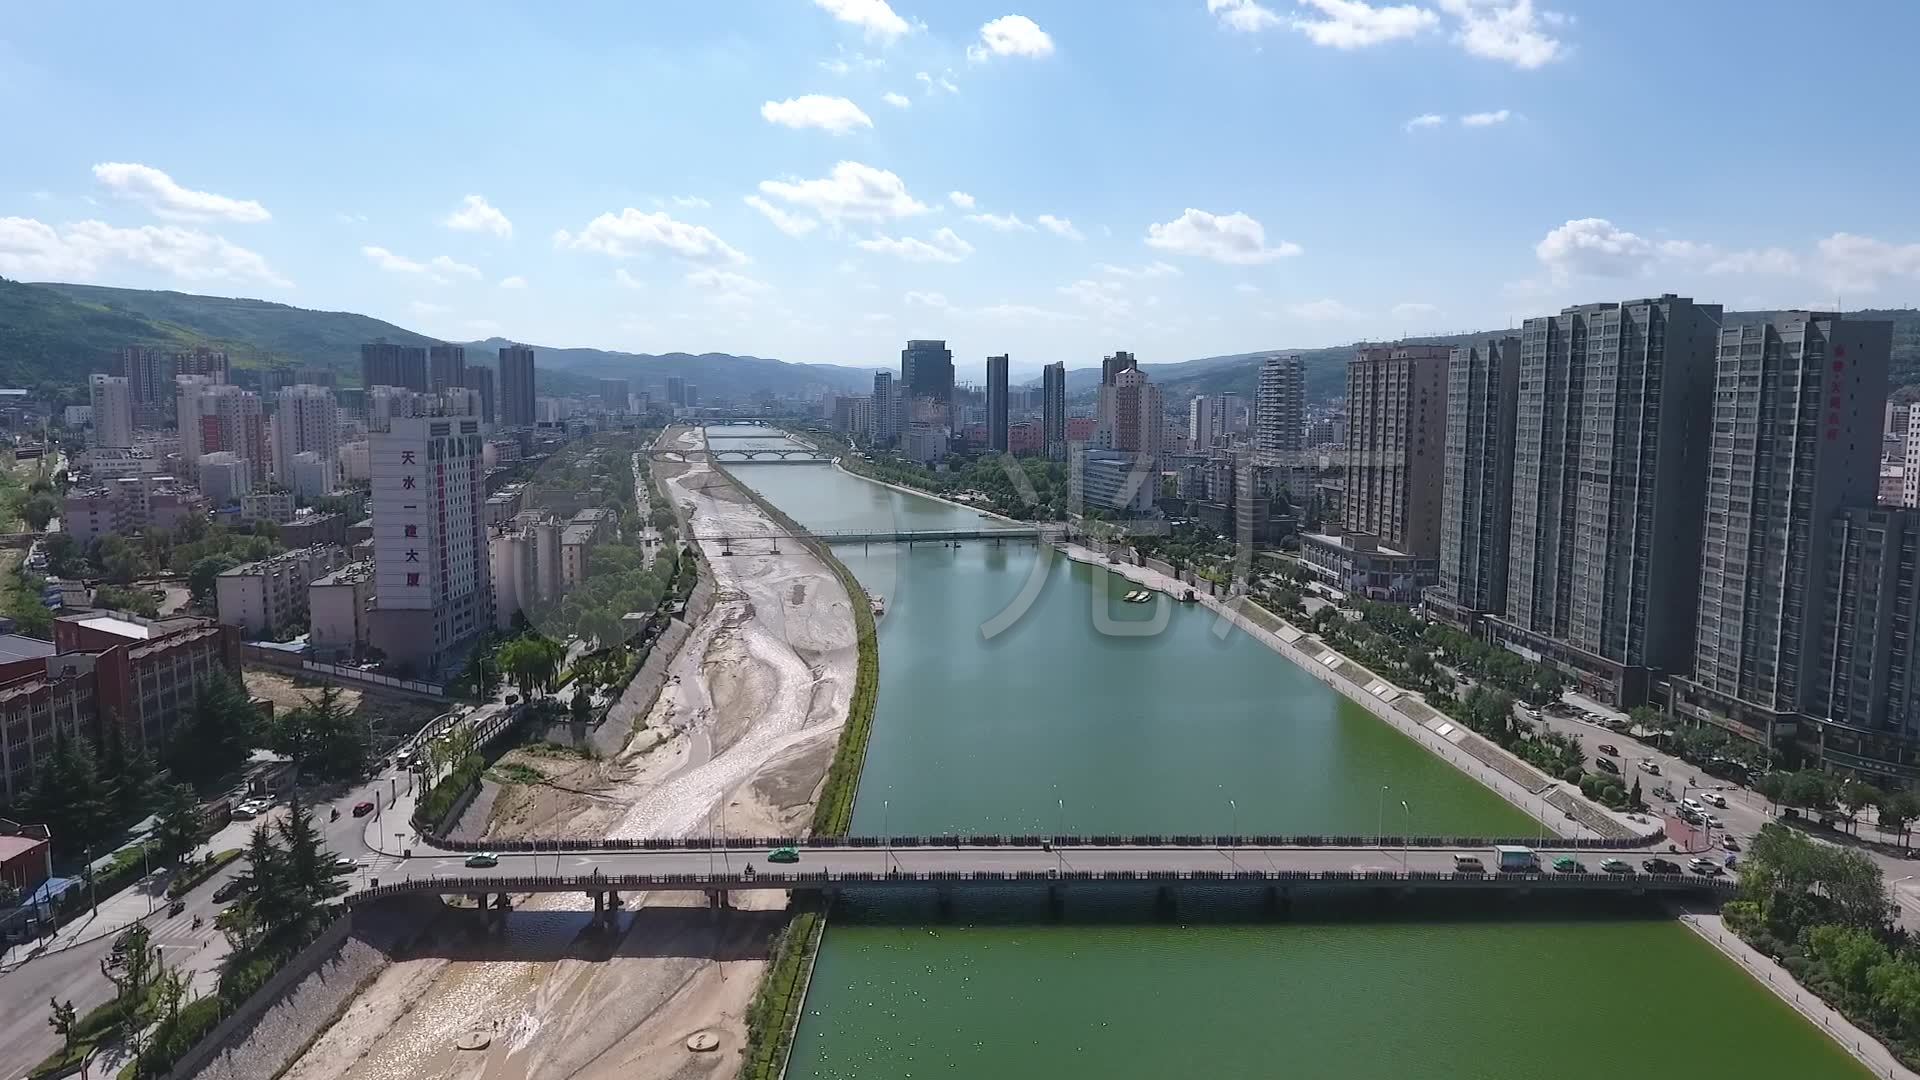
(718,871)
(754,457)
(908,537)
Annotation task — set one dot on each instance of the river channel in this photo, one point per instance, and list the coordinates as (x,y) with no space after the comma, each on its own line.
(1018,694)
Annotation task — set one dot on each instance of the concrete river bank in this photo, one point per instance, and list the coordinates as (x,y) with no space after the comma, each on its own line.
(1019,694)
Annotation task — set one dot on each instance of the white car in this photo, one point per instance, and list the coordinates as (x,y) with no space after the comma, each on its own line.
(1714,798)
(1715,823)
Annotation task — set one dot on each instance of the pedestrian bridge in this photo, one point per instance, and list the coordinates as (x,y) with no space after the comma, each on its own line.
(721,870)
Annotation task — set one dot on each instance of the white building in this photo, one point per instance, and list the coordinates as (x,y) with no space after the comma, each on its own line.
(311,474)
(308,421)
(265,596)
(431,581)
(525,560)
(274,506)
(114,462)
(215,416)
(79,416)
(337,607)
(356,463)
(225,477)
(112,403)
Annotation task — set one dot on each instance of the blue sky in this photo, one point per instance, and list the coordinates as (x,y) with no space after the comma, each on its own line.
(779,177)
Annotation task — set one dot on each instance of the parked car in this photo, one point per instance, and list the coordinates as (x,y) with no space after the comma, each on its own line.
(1615,866)
(244,812)
(1660,866)
(1468,864)
(1706,867)
(1606,765)
(1714,822)
(1714,799)
(1609,749)
(483,860)
(362,808)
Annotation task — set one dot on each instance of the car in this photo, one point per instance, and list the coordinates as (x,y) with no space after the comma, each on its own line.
(229,889)
(1714,798)
(244,812)
(1660,866)
(1730,843)
(342,862)
(362,808)
(1567,864)
(1615,866)
(483,860)
(1606,765)
(1714,822)
(1648,765)
(1468,864)
(1705,867)
(1608,749)
(787,854)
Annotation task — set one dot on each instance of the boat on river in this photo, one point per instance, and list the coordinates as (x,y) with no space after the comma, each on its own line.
(877,604)
(1138,596)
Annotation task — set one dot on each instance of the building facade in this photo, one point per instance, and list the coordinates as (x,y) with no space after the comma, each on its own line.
(337,605)
(1396,443)
(111,399)
(1280,404)
(516,386)
(431,580)
(926,372)
(1053,410)
(1114,480)
(446,367)
(1483,384)
(306,421)
(1863,696)
(383,363)
(997,404)
(269,595)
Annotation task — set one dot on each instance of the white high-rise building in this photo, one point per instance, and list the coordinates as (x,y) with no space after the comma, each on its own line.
(217,416)
(1281,404)
(308,421)
(112,402)
(432,587)
(1200,430)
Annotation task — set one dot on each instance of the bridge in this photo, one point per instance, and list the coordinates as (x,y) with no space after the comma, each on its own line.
(772,434)
(754,457)
(909,537)
(721,870)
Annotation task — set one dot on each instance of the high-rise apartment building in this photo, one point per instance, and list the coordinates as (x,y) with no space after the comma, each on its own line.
(1200,428)
(1476,506)
(516,386)
(1132,416)
(676,392)
(383,363)
(1112,366)
(1053,410)
(306,420)
(480,381)
(149,373)
(431,583)
(219,416)
(199,360)
(613,395)
(1396,435)
(1281,405)
(1863,697)
(1609,478)
(112,399)
(926,372)
(693,395)
(997,404)
(886,410)
(446,367)
(1796,407)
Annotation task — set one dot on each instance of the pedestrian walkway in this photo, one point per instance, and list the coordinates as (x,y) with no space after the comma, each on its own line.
(1861,1045)
(115,913)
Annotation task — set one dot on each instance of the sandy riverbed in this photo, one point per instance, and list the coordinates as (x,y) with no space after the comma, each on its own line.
(739,742)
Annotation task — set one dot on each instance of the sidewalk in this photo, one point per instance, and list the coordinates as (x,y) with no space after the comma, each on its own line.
(115,913)
(1869,1051)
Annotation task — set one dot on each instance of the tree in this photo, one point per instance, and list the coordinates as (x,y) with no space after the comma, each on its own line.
(37,510)
(1898,809)
(1773,786)
(219,731)
(582,706)
(182,825)
(1850,955)
(1855,796)
(129,773)
(1633,797)
(131,965)
(69,796)
(203,578)
(1810,789)
(62,1022)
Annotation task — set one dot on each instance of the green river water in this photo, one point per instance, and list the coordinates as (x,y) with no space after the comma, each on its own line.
(1052,721)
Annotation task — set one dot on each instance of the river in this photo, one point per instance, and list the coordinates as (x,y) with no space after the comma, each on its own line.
(1003,714)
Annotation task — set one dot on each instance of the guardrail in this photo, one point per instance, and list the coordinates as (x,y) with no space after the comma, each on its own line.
(703,843)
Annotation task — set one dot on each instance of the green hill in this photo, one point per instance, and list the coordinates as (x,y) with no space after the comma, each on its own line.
(50,342)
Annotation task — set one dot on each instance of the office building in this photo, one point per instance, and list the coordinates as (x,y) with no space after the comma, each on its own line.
(383,363)
(1114,480)
(149,373)
(111,400)
(926,372)
(446,367)
(1796,409)
(480,381)
(1281,403)
(1112,366)
(1053,410)
(224,477)
(613,395)
(431,582)
(886,410)
(268,596)
(516,386)
(306,421)
(1609,480)
(1483,385)
(997,404)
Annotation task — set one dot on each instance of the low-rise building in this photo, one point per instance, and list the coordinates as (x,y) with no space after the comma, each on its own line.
(502,505)
(1359,564)
(26,856)
(1115,480)
(312,474)
(114,462)
(274,506)
(337,612)
(128,505)
(145,672)
(266,596)
(309,528)
(586,528)
(225,477)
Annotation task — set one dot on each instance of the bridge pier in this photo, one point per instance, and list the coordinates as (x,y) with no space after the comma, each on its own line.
(943,902)
(599,904)
(1056,902)
(1278,902)
(1166,903)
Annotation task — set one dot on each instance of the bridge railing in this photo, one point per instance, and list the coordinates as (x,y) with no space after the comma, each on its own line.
(1113,840)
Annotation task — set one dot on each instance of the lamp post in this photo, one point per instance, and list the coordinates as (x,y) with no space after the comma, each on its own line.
(1405,835)
(1233,838)
(886,833)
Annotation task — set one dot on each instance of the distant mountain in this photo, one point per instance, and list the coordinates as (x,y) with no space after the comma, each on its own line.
(53,334)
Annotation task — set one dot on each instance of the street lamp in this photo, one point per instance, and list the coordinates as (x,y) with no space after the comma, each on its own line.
(1233,858)
(886,833)
(1405,835)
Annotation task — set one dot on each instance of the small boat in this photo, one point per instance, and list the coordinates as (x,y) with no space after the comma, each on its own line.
(1138,596)
(878,604)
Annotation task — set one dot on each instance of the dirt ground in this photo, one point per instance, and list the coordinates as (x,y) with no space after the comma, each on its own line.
(738,743)
(393,715)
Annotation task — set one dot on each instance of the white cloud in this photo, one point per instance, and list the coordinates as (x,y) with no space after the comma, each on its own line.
(835,66)
(1426,120)
(1852,263)
(1593,246)
(725,283)
(1026,313)
(477,215)
(1323,311)
(83,251)
(1243,15)
(345,218)
(421,307)
(853,192)
(1000,222)
(946,247)
(514,282)
(1506,30)
(1414,310)
(1059,226)
(1485,119)
(877,317)
(960,199)
(1762,261)
(446,264)
(393,264)
(846,62)
(627,281)
(873,16)
(1354,24)
(1011,35)
(791,224)
(630,232)
(157,191)
(1228,238)
(937,301)
(691,202)
(1155,269)
(831,114)
(1247,288)
(898,101)
(1104,297)
(932,84)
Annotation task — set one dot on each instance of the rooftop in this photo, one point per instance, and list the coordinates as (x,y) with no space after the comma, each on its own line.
(12,847)
(351,574)
(20,647)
